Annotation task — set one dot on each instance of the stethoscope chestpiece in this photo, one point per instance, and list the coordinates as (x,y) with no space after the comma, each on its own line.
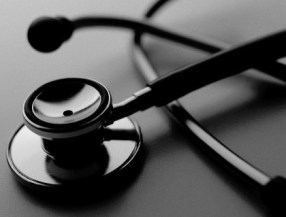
(67,108)
(65,142)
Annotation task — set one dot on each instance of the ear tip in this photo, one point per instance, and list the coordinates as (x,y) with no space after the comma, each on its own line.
(46,34)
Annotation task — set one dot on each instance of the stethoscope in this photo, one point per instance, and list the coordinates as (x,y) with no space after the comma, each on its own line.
(73,137)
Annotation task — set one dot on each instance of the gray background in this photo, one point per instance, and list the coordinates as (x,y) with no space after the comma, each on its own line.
(247,112)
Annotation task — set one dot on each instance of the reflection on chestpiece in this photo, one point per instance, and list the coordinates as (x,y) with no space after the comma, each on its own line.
(65,140)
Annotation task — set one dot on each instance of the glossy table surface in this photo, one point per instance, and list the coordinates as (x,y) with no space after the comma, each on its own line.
(247,112)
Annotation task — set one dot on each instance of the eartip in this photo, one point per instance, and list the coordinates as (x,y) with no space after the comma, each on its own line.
(46,34)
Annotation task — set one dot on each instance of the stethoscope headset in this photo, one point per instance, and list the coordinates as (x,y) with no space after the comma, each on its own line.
(73,136)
